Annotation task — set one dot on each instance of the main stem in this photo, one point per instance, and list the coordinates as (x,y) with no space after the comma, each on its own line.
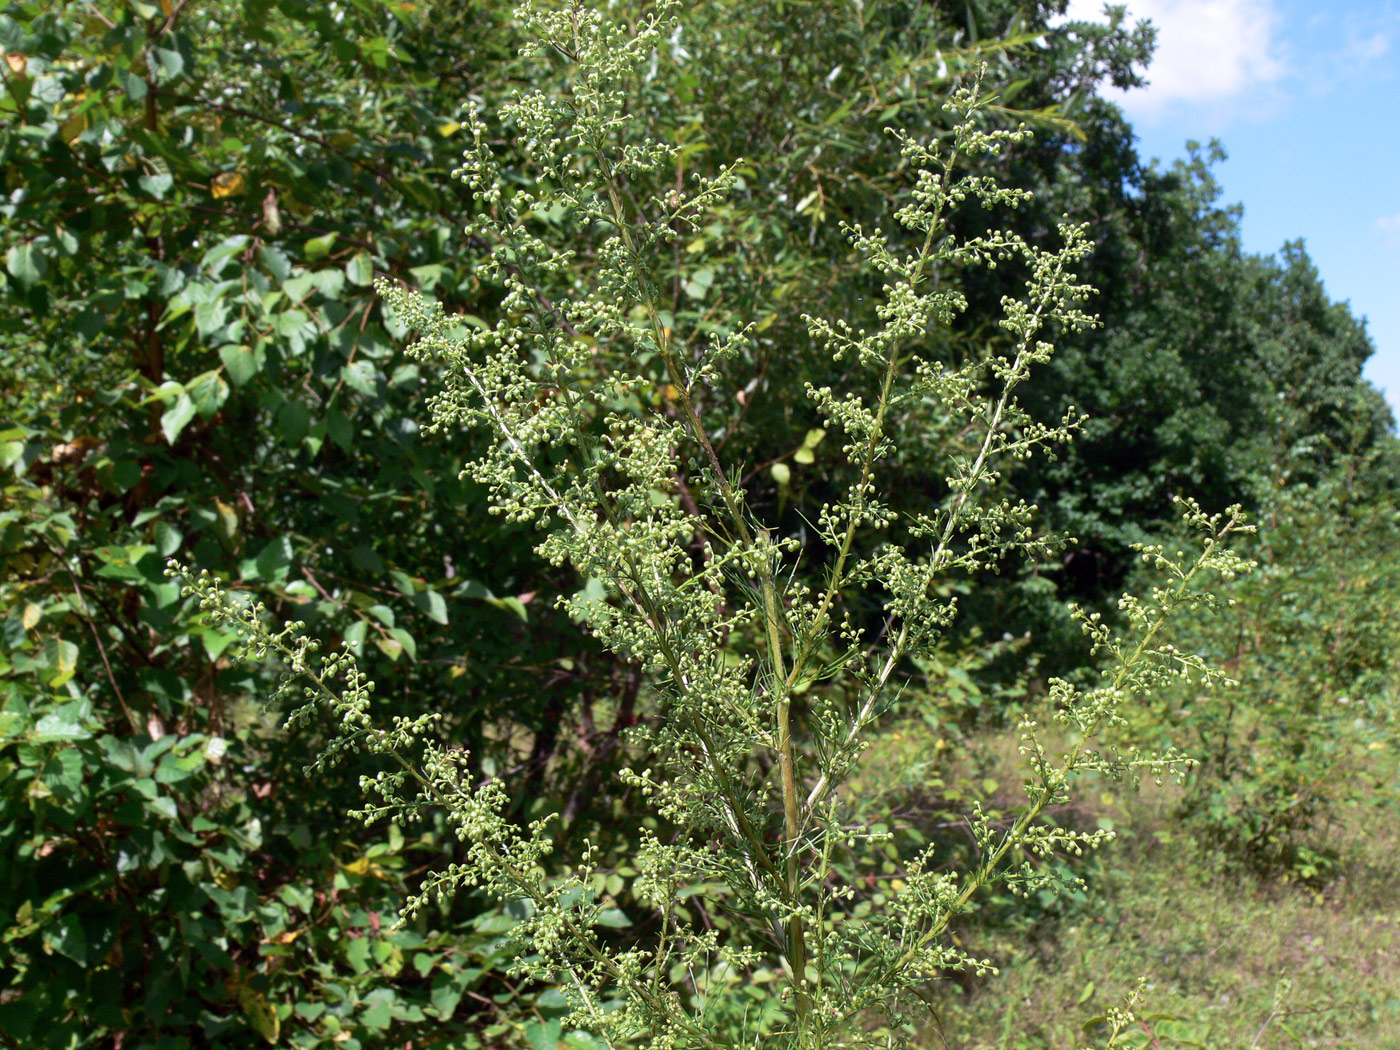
(761,547)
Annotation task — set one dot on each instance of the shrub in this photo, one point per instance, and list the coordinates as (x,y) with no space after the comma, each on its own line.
(1292,754)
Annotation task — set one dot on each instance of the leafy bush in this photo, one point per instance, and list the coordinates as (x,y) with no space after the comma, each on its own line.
(192,364)
(1290,756)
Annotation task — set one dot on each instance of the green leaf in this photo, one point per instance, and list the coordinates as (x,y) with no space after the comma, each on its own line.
(275,559)
(355,635)
(360,269)
(208,392)
(700,282)
(293,422)
(210,316)
(134,86)
(215,642)
(379,1013)
(357,954)
(319,247)
(241,363)
(1185,1033)
(544,1035)
(12,725)
(216,256)
(578,1039)
(170,62)
(290,322)
(360,376)
(156,185)
(276,263)
(614,918)
(805,454)
(70,939)
(168,539)
(339,429)
(66,778)
(446,995)
(164,806)
(26,263)
(406,640)
(176,418)
(65,724)
(432,603)
(330,283)
(299,287)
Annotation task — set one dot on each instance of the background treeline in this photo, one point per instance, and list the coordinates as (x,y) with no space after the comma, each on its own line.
(196,197)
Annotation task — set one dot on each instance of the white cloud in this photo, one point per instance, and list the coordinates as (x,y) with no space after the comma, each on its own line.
(1370,47)
(1389,227)
(1208,51)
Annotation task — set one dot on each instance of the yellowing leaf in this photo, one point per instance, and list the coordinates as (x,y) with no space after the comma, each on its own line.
(228,520)
(449,129)
(260,1014)
(227,184)
(71,128)
(363,867)
(31,616)
(19,65)
(225,880)
(67,659)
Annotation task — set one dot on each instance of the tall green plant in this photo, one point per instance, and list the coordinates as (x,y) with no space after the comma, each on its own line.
(767,679)
(1298,750)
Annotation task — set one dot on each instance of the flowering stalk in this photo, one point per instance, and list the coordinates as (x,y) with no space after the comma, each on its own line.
(750,793)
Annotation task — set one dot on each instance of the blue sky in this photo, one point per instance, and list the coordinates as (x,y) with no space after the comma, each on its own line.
(1306,99)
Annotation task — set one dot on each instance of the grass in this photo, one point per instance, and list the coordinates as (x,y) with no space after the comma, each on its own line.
(1230,960)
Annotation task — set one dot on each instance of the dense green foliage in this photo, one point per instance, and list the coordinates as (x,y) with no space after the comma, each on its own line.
(194,363)
(1292,756)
